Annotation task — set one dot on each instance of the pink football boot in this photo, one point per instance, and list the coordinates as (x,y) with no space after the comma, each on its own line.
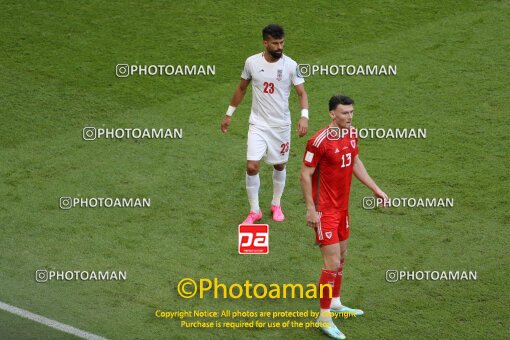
(278,215)
(253,217)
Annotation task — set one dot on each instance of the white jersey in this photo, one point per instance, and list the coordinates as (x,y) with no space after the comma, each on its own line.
(271,85)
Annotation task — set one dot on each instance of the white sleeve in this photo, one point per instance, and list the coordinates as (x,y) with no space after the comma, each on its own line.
(246,74)
(297,79)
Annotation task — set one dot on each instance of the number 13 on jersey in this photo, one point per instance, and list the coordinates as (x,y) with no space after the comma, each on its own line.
(346,160)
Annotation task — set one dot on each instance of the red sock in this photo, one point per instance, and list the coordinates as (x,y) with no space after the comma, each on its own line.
(338,281)
(327,278)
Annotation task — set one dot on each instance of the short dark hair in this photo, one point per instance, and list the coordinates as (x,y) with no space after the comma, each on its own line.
(339,99)
(274,30)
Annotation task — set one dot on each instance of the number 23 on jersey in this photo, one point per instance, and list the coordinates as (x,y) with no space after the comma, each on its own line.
(268,87)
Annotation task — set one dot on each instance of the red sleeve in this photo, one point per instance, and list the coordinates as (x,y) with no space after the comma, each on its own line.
(312,154)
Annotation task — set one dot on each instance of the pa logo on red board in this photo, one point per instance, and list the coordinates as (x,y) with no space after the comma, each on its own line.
(253,239)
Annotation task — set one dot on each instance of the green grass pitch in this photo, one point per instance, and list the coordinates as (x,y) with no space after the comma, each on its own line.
(57,75)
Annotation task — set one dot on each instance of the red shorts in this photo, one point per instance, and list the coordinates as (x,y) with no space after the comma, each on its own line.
(332,227)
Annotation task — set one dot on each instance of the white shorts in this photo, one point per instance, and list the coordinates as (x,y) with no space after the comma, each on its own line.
(274,142)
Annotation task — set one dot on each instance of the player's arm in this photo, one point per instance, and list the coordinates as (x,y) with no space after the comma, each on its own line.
(312,218)
(237,98)
(302,127)
(362,175)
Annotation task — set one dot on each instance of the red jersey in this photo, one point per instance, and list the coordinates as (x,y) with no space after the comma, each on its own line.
(333,160)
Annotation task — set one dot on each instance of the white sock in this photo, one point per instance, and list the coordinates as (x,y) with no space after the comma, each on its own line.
(278,185)
(325,315)
(336,301)
(252,188)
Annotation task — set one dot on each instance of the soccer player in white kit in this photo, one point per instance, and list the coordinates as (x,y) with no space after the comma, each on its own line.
(272,75)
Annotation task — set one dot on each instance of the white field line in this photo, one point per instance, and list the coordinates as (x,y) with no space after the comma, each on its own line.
(49,322)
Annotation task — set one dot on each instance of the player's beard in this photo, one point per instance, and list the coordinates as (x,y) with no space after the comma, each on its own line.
(276,54)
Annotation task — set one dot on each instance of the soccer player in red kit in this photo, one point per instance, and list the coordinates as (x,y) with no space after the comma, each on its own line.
(330,159)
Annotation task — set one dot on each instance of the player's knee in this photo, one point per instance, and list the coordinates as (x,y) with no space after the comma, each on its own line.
(279,167)
(252,168)
(332,263)
(335,265)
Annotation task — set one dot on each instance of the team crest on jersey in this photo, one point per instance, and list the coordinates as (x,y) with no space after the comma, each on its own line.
(279,75)
(328,234)
(353,143)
